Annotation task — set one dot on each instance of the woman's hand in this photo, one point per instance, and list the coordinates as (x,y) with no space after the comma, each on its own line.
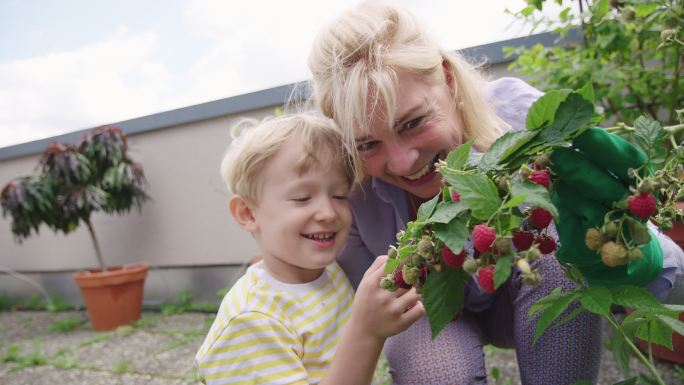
(378,313)
(593,175)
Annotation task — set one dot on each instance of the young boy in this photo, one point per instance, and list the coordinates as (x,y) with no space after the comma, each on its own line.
(290,318)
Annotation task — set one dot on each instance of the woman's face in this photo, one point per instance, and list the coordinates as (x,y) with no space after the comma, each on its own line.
(427,127)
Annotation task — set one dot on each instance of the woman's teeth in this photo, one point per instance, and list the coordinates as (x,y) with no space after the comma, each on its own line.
(421,173)
(320,236)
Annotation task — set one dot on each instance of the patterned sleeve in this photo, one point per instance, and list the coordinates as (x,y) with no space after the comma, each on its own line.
(253,348)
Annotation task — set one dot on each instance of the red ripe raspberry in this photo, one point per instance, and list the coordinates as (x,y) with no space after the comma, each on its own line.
(522,240)
(399,280)
(451,259)
(485,277)
(541,177)
(423,273)
(483,237)
(642,205)
(455,196)
(546,244)
(540,218)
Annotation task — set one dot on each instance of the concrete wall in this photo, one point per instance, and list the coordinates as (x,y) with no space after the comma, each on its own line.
(185,232)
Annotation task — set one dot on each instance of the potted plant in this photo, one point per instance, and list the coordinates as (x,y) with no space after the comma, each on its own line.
(72,183)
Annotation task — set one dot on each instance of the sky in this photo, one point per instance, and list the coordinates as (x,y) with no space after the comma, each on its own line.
(73,64)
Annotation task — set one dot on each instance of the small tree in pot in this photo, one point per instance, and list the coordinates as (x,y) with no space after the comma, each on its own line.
(72,183)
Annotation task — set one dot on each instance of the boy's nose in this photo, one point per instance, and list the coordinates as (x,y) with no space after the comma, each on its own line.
(325,211)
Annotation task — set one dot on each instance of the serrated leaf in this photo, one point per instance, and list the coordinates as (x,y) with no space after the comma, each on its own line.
(587,92)
(515,201)
(546,301)
(458,157)
(426,209)
(675,324)
(596,300)
(551,313)
(655,331)
(578,310)
(648,135)
(572,117)
(446,211)
(543,111)
(535,195)
(477,192)
(502,270)
(636,298)
(506,145)
(390,265)
(443,297)
(453,234)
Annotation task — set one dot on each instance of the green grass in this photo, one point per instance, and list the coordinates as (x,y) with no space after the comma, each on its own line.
(66,325)
(96,339)
(122,366)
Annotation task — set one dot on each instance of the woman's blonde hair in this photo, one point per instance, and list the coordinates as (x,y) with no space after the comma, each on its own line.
(355,59)
(255,142)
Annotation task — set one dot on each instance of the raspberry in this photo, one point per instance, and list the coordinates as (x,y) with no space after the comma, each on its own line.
(425,246)
(594,239)
(483,237)
(388,283)
(422,274)
(470,266)
(523,266)
(451,259)
(546,244)
(410,274)
(455,196)
(541,177)
(399,280)
(502,245)
(485,277)
(540,218)
(522,240)
(614,254)
(642,205)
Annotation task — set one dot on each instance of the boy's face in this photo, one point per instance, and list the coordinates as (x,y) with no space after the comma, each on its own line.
(301,220)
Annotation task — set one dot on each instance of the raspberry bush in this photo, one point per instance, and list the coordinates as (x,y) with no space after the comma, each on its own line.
(494,214)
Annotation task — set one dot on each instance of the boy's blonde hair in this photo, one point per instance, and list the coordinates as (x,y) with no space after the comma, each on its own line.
(255,142)
(355,59)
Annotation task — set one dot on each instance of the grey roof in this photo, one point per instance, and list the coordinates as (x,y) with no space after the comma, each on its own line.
(491,53)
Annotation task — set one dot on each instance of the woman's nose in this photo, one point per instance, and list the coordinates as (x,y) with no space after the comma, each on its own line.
(401,158)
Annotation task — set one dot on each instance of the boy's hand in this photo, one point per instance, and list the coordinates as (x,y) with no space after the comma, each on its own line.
(378,313)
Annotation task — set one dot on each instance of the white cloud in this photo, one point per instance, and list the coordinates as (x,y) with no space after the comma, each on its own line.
(115,79)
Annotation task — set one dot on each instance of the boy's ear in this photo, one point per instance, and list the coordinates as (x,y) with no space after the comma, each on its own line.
(242,212)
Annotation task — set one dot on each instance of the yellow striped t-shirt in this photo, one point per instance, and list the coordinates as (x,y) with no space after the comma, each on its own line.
(269,332)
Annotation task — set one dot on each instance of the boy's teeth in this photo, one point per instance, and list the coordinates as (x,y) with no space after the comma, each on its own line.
(420,173)
(320,236)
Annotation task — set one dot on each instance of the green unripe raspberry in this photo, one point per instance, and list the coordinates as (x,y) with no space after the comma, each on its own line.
(524,266)
(533,253)
(410,274)
(425,247)
(392,253)
(531,279)
(388,283)
(542,160)
(667,34)
(503,245)
(416,260)
(594,239)
(640,235)
(470,266)
(635,254)
(610,230)
(646,186)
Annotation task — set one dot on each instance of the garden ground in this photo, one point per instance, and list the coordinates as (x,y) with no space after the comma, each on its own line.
(40,348)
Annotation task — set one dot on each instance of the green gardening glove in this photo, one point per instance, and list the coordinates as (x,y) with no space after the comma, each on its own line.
(592,176)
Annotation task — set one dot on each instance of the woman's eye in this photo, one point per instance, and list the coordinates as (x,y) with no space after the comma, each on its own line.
(301,199)
(413,123)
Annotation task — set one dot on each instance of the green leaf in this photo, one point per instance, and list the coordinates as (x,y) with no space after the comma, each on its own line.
(631,381)
(543,111)
(636,298)
(506,145)
(572,117)
(600,8)
(546,301)
(458,157)
(502,270)
(446,211)
(426,209)
(443,297)
(675,324)
(453,234)
(578,310)
(587,92)
(648,135)
(552,312)
(655,331)
(535,195)
(390,265)
(644,9)
(638,231)
(477,192)
(596,300)
(647,380)
(515,201)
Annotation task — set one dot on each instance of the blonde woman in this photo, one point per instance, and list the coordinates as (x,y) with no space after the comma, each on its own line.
(403,103)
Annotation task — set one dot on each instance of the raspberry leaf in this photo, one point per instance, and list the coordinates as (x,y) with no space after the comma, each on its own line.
(446,211)
(502,270)
(572,117)
(636,298)
(552,312)
(535,195)
(477,192)
(505,147)
(649,136)
(543,111)
(443,297)
(426,209)
(459,157)
(654,330)
(596,300)
(454,234)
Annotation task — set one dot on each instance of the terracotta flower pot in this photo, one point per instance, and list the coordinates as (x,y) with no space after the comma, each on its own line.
(113,298)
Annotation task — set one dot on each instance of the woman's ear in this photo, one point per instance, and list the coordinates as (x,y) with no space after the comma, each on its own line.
(449,76)
(243,213)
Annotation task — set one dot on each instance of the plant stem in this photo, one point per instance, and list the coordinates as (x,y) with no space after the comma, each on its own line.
(636,350)
(103,268)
